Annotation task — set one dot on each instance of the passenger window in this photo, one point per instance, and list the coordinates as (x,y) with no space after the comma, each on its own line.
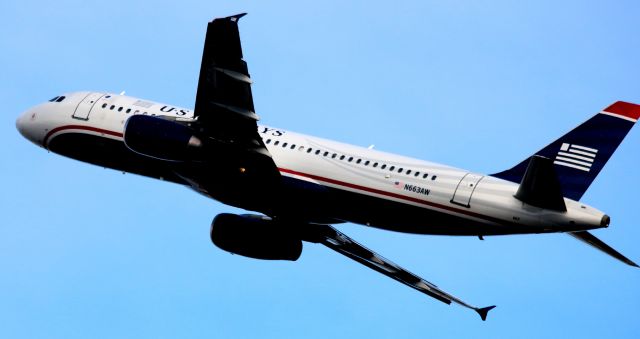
(112,107)
(333,156)
(104,105)
(392,168)
(119,109)
(408,172)
(417,174)
(342,157)
(284,145)
(326,153)
(375,164)
(301,148)
(433,177)
(317,151)
(358,161)
(276,142)
(268,141)
(293,146)
(366,163)
(424,176)
(350,159)
(309,150)
(383,166)
(128,110)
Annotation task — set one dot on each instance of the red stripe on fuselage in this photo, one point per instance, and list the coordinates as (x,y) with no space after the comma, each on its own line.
(393,195)
(79,127)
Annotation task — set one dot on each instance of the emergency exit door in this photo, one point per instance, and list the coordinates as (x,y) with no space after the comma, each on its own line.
(464,191)
(84,107)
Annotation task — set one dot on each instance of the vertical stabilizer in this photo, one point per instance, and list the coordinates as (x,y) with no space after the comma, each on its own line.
(580,155)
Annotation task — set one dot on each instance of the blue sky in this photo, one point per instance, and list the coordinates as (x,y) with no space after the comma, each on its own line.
(90,252)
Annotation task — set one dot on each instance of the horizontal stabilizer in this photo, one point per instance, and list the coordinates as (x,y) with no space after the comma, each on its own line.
(599,244)
(540,186)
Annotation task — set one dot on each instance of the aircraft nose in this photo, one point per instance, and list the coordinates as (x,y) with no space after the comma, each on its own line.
(21,125)
(24,124)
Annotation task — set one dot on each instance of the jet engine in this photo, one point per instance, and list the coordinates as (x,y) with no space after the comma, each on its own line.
(255,237)
(161,138)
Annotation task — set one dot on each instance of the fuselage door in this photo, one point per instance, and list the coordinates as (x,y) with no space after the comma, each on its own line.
(85,106)
(466,186)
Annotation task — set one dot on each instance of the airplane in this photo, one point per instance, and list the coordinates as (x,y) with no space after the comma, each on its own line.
(219,150)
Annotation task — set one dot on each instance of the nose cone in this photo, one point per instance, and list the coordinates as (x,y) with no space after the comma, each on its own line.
(25,125)
(21,125)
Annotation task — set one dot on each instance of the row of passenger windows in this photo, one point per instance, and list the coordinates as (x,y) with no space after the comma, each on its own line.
(120,109)
(352,159)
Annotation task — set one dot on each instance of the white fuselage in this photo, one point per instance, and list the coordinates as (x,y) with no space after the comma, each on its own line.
(387,190)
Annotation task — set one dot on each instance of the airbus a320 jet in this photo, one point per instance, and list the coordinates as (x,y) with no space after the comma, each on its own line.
(219,150)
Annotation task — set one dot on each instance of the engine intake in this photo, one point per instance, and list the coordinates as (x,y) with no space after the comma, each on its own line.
(255,237)
(161,138)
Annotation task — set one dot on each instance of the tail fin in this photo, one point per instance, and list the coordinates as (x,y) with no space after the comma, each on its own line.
(579,155)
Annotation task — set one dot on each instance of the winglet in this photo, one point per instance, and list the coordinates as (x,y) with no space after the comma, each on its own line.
(233,18)
(484,311)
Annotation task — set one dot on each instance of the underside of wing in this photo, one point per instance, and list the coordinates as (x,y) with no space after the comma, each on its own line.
(346,246)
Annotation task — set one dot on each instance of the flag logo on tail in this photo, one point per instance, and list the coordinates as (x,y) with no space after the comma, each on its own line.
(576,156)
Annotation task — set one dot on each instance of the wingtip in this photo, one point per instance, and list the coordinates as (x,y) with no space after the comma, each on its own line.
(484,311)
(237,16)
(628,261)
(233,18)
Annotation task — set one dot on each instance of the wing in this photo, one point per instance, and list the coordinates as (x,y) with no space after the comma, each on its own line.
(224,104)
(346,246)
(225,113)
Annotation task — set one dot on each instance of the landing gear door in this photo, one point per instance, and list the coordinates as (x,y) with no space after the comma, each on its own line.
(466,187)
(85,106)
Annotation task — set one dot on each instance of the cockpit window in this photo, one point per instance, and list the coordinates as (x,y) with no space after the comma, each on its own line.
(57,99)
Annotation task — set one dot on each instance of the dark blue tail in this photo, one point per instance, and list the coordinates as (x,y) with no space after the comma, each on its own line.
(579,155)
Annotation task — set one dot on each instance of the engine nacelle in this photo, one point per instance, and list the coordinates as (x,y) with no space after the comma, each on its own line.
(161,138)
(255,237)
